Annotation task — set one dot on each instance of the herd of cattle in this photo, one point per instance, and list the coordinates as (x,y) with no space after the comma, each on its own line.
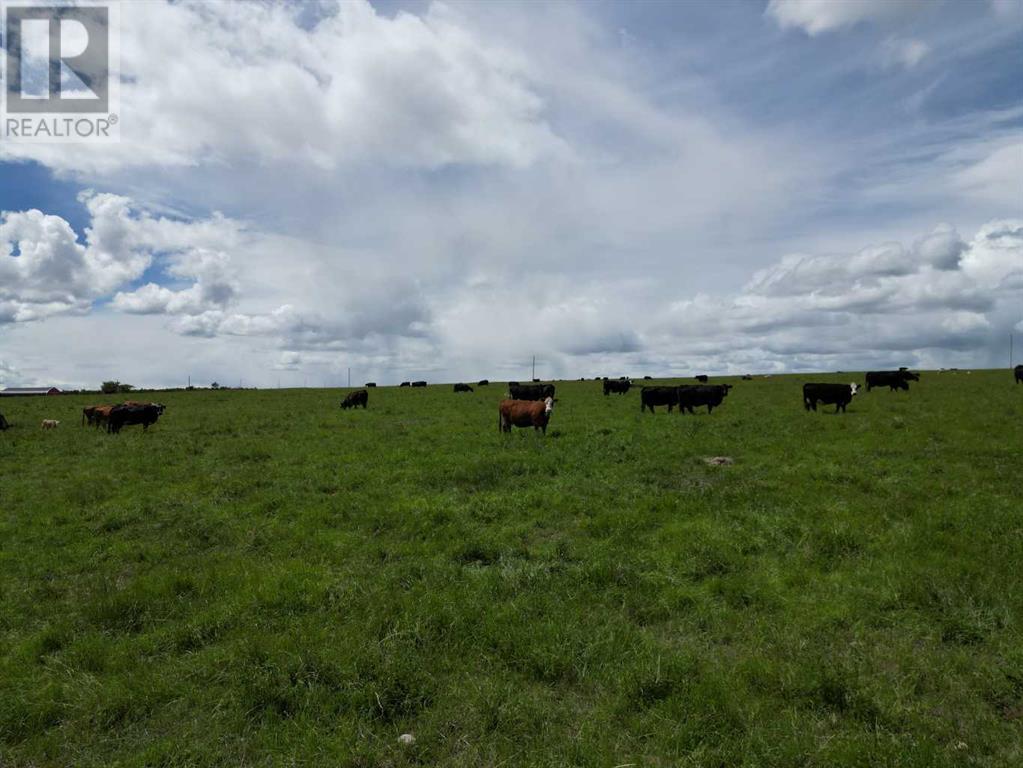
(530,405)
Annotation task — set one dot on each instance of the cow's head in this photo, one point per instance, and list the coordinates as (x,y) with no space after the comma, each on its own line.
(548,405)
(854,388)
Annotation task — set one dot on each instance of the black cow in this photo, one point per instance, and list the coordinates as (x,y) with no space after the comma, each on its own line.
(1018,373)
(621,387)
(126,415)
(371,383)
(892,379)
(355,399)
(536,381)
(702,378)
(463,388)
(530,391)
(647,378)
(405,384)
(418,383)
(747,377)
(694,395)
(651,396)
(3,423)
(839,395)
(483,383)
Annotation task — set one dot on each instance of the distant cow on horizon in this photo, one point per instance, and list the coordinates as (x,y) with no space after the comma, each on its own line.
(702,378)
(463,388)
(418,383)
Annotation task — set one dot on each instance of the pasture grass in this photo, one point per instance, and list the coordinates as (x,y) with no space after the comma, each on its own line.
(265,580)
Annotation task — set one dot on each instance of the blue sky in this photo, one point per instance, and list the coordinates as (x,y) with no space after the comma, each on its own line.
(442,190)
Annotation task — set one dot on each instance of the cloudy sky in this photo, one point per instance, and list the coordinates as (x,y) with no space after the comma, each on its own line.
(442,190)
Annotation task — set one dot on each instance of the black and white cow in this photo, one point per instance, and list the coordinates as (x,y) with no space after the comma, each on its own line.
(839,395)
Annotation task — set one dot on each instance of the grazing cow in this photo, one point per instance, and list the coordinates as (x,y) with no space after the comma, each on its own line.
(463,388)
(371,384)
(524,413)
(621,387)
(355,399)
(1018,373)
(647,378)
(4,424)
(89,414)
(536,381)
(651,396)
(702,378)
(892,379)
(405,384)
(418,383)
(747,377)
(50,424)
(530,391)
(124,415)
(483,383)
(695,395)
(839,395)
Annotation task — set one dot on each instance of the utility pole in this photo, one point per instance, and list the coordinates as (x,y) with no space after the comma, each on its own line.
(1010,350)
(534,368)
(349,377)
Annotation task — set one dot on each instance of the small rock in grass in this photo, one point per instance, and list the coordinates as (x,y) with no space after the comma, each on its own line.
(718,461)
(406,739)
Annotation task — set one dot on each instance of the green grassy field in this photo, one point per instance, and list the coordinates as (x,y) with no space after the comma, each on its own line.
(265,580)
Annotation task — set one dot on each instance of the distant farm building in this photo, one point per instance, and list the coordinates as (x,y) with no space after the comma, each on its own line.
(24,391)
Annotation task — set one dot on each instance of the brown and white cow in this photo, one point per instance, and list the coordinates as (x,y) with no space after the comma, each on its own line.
(524,413)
